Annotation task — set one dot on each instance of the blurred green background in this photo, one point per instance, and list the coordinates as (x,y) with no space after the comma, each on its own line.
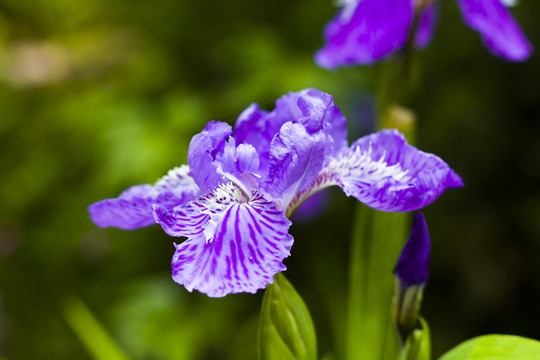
(96,96)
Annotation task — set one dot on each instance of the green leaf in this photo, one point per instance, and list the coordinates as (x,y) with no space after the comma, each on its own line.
(93,335)
(286,330)
(495,347)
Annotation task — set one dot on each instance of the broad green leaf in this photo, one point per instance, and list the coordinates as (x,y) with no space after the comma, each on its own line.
(495,347)
(286,331)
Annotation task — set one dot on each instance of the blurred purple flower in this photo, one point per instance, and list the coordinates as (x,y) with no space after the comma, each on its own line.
(233,200)
(413,265)
(365,31)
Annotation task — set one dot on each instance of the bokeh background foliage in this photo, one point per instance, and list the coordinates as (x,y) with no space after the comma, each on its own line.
(96,96)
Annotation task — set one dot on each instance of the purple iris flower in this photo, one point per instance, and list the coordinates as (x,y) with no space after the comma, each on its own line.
(413,264)
(233,200)
(365,31)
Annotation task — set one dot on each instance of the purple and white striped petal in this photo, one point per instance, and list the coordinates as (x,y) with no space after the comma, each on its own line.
(296,157)
(497,27)
(384,172)
(368,32)
(134,207)
(203,149)
(235,245)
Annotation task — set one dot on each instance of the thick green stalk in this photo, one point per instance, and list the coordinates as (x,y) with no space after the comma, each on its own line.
(376,244)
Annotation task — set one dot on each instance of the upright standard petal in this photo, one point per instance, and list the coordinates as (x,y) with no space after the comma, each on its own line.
(203,149)
(234,244)
(255,128)
(316,111)
(296,157)
(372,30)
(134,207)
(497,28)
(312,108)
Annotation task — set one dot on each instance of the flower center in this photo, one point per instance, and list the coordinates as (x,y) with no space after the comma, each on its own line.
(216,204)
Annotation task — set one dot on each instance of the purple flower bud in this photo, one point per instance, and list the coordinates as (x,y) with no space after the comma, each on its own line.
(413,263)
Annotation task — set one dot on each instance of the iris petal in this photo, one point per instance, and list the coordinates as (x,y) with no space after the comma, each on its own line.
(238,247)
(296,159)
(255,127)
(384,172)
(373,30)
(312,108)
(133,208)
(203,149)
(497,28)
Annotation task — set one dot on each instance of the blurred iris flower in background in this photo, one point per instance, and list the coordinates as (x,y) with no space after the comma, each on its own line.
(233,200)
(365,31)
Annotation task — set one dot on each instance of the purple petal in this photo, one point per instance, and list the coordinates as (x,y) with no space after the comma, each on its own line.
(254,127)
(316,111)
(413,264)
(239,159)
(426,26)
(236,245)
(497,28)
(296,157)
(134,207)
(203,149)
(362,35)
(386,173)
(312,108)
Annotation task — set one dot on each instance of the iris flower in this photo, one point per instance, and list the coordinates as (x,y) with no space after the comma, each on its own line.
(233,199)
(365,31)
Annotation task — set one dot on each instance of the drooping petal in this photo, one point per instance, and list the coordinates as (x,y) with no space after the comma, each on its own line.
(413,264)
(134,207)
(371,31)
(202,152)
(234,245)
(384,172)
(497,28)
(426,26)
(296,157)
